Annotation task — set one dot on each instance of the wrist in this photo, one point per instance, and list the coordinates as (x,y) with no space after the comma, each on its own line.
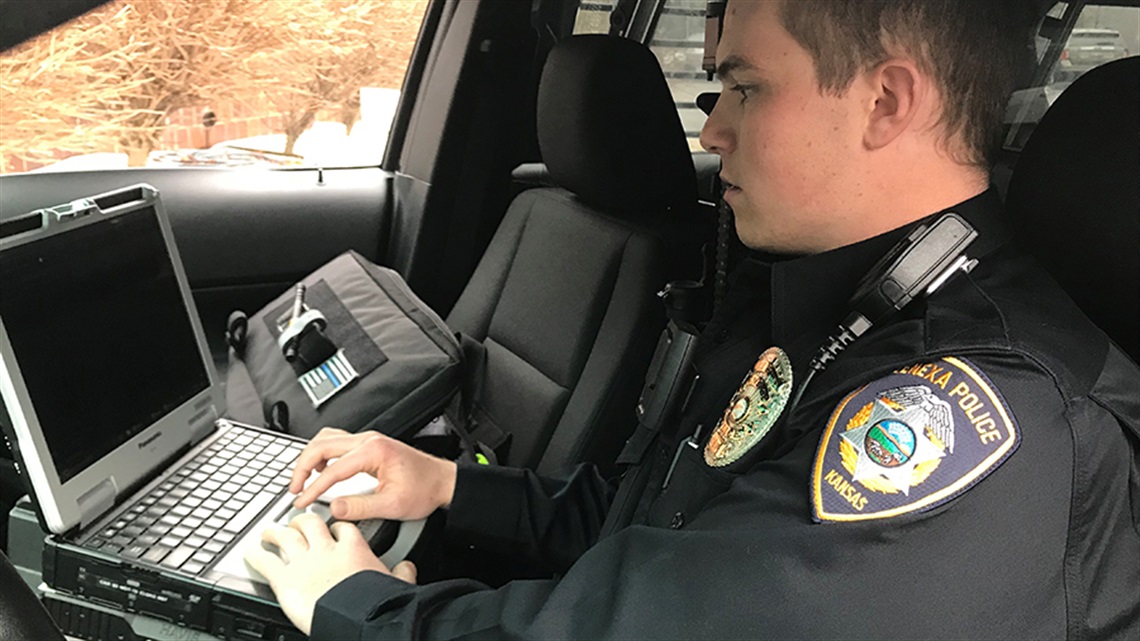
(448,472)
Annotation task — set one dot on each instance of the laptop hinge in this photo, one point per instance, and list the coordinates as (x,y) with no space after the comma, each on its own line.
(204,421)
(95,502)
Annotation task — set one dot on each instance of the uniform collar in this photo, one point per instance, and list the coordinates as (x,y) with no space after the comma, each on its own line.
(809,294)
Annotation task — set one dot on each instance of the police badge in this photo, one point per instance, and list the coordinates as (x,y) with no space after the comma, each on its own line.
(909,442)
(753,409)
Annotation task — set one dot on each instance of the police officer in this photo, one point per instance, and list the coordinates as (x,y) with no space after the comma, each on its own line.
(962,470)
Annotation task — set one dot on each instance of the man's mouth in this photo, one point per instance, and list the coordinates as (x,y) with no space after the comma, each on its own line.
(729,186)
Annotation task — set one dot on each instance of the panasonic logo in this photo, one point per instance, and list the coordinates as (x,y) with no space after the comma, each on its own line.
(157,435)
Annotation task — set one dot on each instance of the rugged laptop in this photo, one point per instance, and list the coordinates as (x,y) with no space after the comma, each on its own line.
(113,410)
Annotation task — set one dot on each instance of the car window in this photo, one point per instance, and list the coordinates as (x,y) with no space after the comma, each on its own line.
(1073,38)
(593,17)
(208,83)
(679,43)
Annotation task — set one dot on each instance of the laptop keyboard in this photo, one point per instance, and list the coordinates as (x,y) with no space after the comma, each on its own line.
(189,520)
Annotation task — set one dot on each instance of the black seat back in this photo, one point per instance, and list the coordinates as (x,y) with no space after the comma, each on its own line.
(1075,197)
(22,616)
(564,298)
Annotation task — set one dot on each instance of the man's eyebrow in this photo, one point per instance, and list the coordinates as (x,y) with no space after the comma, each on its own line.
(732,64)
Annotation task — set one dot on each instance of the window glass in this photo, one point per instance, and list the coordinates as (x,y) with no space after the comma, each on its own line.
(1100,34)
(679,43)
(208,83)
(593,17)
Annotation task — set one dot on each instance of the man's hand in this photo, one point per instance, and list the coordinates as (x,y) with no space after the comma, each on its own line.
(311,560)
(411,486)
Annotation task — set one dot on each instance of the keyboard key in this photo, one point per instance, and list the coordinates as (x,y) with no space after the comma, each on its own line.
(214,547)
(156,554)
(122,541)
(206,532)
(193,567)
(181,532)
(192,522)
(211,504)
(194,541)
(243,496)
(171,541)
(134,551)
(248,513)
(180,511)
(178,556)
(224,536)
(204,556)
(147,538)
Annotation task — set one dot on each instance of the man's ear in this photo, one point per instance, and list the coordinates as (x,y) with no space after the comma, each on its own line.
(899,91)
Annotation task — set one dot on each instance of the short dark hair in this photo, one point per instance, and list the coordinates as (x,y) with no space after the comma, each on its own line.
(975,50)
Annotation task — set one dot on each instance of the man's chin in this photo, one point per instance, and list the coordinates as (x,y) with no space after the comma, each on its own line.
(759,240)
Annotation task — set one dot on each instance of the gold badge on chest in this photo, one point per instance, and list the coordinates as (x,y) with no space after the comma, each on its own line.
(753,409)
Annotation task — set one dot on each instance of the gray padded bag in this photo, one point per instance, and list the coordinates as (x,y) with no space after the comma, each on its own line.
(409,362)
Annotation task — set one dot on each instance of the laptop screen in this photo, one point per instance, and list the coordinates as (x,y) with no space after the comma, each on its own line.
(98,326)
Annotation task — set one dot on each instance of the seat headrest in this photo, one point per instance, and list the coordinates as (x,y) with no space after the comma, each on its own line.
(608,128)
(1075,196)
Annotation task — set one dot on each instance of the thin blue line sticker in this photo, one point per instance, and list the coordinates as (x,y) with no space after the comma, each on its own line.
(329,372)
(327,379)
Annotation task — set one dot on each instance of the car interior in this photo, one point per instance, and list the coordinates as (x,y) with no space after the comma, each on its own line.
(538,191)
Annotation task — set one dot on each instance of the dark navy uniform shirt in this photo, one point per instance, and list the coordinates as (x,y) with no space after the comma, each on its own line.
(1011,508)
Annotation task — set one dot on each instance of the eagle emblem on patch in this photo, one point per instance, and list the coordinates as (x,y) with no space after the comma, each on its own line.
(753,409)
(910,441)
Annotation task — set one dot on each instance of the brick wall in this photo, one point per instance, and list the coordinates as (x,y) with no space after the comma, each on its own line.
(184,130)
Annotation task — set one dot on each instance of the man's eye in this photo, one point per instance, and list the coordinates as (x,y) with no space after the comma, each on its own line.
(745,91)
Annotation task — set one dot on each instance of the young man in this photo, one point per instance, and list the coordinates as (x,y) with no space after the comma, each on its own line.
(959,471)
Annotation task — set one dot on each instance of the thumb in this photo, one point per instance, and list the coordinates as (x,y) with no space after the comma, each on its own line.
(356,508)
(405,571)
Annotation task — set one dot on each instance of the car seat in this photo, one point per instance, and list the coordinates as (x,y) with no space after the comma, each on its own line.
(22,616)
(1075,197)
(564,298)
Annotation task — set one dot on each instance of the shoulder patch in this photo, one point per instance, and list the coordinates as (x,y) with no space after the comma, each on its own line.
(910,441)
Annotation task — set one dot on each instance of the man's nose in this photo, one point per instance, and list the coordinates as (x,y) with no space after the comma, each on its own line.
(715,135)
